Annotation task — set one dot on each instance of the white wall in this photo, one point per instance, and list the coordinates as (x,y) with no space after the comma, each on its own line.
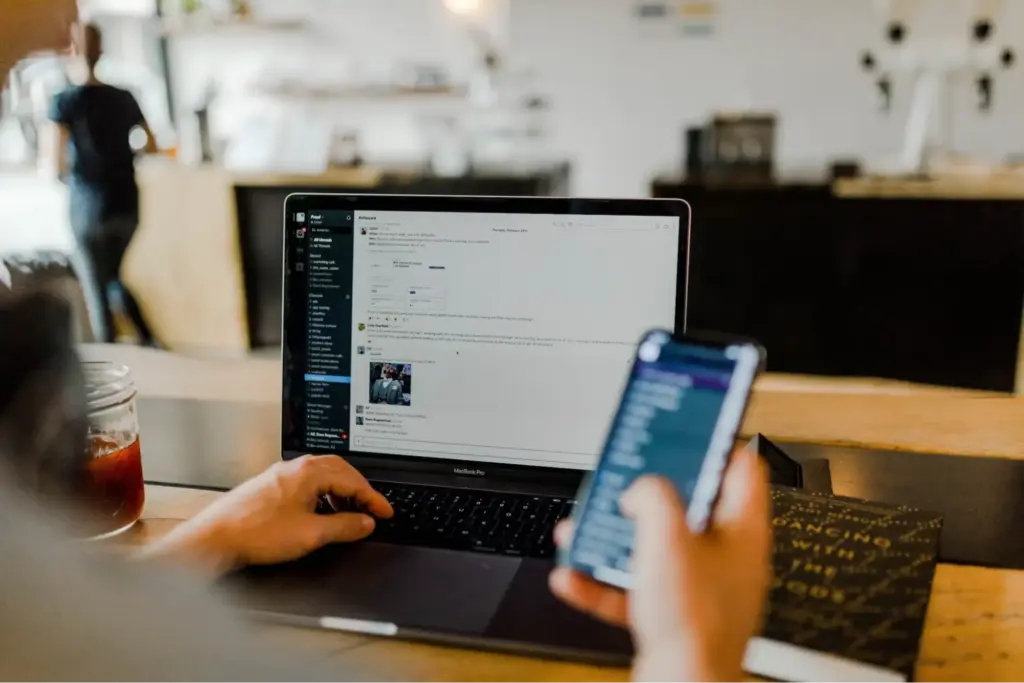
(621,102)
(346,39)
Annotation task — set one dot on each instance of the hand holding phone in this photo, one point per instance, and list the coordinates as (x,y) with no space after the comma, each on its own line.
(698,598)
(678,418)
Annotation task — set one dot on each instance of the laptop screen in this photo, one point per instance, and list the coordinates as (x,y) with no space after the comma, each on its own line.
(494,336)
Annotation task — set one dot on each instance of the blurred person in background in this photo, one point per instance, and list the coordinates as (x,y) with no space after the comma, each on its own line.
(69,614)
(89,145)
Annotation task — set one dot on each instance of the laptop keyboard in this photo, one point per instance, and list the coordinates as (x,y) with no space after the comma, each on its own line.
(458,519)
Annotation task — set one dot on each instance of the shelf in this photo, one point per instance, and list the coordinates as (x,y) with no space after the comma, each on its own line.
(369,93)
(204,25)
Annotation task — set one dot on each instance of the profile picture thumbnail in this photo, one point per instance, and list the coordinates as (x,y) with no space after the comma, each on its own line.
(359,421)
(391,383)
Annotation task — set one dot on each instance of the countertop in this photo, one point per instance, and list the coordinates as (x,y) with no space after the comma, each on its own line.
(1007,185)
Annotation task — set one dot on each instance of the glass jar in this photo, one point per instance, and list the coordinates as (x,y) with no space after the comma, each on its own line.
(114,489)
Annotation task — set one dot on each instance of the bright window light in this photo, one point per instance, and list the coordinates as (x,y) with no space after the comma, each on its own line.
(463,7)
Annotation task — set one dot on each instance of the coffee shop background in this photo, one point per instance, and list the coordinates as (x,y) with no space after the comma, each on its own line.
(618,95)
(588,97)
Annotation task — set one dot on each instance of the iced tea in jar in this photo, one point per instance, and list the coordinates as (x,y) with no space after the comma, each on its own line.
(113,485)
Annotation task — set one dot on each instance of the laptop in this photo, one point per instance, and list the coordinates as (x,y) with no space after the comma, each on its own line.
(465,354)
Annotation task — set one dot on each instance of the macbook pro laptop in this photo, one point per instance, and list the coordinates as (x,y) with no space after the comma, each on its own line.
(466,354)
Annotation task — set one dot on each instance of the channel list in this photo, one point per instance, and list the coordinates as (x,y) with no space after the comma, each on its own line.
(329,333)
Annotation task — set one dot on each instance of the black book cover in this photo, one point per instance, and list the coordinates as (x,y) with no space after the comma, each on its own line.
(851,578)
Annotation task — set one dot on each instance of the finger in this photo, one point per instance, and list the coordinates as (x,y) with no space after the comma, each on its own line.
(744,507)
(563,533)
(588,596)
(338,478)
(660,516)
(663,546)
(344,527)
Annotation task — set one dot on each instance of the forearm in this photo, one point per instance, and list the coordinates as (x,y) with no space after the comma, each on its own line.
(53,158)
(201,550)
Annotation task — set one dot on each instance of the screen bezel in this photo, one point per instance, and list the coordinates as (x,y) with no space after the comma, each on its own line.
(704,507)
(491,472)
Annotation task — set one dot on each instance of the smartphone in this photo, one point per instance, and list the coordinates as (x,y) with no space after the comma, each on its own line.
(678,417)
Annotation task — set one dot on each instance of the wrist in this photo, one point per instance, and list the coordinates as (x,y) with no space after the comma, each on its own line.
(199,548)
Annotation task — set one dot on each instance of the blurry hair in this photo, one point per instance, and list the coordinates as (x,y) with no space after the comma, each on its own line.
(91,46)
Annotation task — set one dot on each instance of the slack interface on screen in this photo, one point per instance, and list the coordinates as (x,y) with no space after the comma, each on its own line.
(318,338)
(486,337)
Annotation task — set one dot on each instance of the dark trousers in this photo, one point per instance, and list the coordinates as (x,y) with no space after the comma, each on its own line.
(102,247)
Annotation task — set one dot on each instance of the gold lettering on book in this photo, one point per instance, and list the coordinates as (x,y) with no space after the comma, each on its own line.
(814,568)
(809,590)
(827,550)
(832,532)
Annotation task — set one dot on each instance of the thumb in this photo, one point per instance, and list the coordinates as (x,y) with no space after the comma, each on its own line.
(662,537)
(664,549)
(344,527)
(744,506)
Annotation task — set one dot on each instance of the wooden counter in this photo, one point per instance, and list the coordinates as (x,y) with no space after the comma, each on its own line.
(973,630)
(185,264)
(995,186)
(205,264)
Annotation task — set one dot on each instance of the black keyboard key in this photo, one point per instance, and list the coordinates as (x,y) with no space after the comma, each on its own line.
(483,546)
(461,520)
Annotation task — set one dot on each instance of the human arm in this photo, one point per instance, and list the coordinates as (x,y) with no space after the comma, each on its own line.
(272,518)
(74,611)
(55,137)
(151,146)
(53,151)
(139,121)
(698,599)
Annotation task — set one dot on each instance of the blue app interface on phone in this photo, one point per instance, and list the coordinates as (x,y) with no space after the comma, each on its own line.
(676,412)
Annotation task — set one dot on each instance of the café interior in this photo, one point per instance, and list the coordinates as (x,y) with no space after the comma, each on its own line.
(855,171)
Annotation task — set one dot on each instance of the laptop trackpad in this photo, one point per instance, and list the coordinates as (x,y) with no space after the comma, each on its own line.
(424,588)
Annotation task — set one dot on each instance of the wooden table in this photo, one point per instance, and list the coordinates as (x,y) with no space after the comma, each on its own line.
(975,625)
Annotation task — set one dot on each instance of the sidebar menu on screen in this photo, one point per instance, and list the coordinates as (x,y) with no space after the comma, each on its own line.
(328,363)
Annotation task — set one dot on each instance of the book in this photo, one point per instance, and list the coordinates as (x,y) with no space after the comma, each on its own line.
(850,589)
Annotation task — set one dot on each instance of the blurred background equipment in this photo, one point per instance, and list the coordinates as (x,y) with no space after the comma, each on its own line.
(938,65)
(734,148)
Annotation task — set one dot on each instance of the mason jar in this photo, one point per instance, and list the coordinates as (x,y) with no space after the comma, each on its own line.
(114,491)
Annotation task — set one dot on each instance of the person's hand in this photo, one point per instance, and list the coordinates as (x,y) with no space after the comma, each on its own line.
(697,598)
(272,517)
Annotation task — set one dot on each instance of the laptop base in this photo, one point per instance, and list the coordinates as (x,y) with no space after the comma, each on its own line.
(448,597)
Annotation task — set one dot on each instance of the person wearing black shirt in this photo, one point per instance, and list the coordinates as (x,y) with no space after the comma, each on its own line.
(92,150)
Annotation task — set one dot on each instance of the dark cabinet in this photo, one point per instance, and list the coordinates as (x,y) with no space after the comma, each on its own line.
(923,290)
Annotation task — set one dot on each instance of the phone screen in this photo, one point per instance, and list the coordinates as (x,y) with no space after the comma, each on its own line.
(678,418)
